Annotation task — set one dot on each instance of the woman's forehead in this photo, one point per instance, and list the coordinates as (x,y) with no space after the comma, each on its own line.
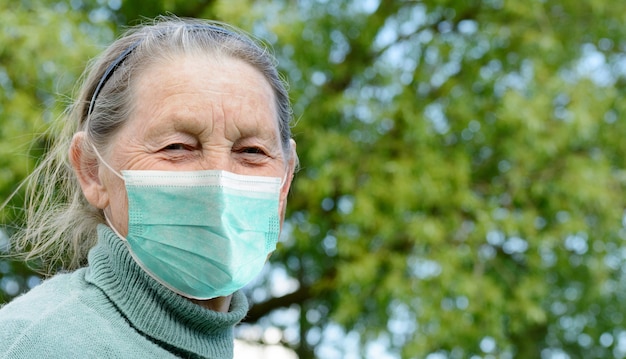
(199,88)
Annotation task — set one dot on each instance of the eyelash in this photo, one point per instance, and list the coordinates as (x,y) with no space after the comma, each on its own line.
(243,150)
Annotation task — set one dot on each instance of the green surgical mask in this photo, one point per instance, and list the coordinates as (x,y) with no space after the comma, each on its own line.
(202,234)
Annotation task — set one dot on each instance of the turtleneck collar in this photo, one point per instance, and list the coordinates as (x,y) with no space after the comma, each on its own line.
(169,319)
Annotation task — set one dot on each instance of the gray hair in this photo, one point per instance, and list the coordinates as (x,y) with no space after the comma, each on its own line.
(60,223)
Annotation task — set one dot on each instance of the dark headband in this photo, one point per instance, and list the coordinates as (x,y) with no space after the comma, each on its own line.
(120,59)
(109,72)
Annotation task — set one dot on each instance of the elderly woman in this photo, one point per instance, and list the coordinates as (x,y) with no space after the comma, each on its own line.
(173,176)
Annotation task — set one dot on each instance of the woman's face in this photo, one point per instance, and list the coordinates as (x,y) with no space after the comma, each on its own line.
(196,114)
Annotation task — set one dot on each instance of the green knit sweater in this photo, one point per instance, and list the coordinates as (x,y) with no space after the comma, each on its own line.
(113,309)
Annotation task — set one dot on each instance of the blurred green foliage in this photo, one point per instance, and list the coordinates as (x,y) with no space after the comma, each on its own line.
(463,176)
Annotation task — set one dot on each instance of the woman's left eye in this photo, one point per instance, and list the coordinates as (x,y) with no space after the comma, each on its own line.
(175,146)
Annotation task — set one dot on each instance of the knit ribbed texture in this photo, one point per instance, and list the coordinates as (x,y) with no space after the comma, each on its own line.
(113,309)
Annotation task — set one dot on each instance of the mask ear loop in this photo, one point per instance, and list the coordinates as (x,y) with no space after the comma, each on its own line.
(106,218)
(284,179)
(291,166)
(105,163)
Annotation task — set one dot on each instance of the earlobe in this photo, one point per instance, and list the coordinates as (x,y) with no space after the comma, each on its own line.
(85,165)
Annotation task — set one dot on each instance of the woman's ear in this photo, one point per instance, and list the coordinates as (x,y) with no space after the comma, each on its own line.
(284,191)
(86,167)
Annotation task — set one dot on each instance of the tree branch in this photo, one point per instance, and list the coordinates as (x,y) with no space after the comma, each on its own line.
(262,309)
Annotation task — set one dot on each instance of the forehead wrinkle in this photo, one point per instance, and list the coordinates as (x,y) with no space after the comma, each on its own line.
(157,88)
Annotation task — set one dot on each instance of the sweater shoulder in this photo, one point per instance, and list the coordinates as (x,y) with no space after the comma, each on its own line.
(66,317)
(48,297)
